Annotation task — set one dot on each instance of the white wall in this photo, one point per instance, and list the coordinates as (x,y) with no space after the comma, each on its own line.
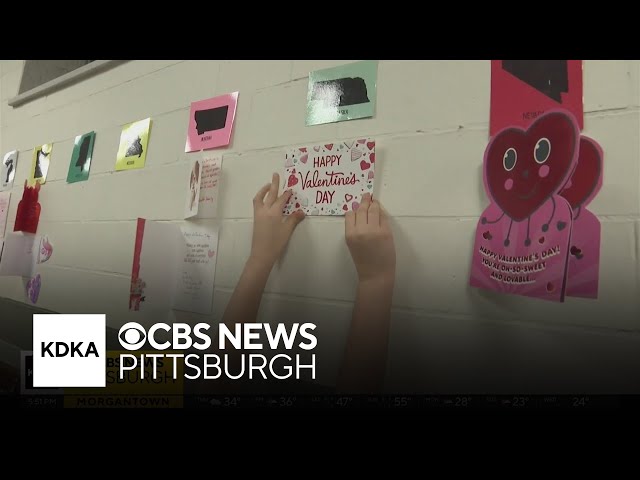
(431,127)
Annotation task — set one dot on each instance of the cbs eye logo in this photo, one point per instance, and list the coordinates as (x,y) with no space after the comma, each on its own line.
(132,336)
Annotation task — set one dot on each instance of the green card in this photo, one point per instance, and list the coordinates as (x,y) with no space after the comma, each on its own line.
(342,93)
(81,158)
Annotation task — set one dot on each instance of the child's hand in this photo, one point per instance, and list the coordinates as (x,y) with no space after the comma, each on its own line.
(370,241)
(271,232)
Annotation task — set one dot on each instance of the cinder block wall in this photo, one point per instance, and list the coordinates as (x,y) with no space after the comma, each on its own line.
(431,128)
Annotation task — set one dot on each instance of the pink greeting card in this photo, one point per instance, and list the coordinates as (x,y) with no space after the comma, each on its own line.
(523,237)
(584,253)
(330,178)
(211,122)
(522,90)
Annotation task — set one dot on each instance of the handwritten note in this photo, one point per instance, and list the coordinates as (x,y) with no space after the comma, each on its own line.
(209,186)
(194,291)
(5,197)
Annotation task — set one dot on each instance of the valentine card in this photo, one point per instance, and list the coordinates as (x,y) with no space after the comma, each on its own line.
(40,164)
(197,270)
(584,253)
(342,93)
(522,90)
(523,236)
(329,179)
(211,122)
(5,197)
(132,152)
(194,178)
(81,158)
(173,267)
(19,255)
(209,185)
(8,170)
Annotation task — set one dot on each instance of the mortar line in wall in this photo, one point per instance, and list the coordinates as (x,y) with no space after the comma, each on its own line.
(90,270)
(320,219)
(477,126)
(119,126)
(421,312)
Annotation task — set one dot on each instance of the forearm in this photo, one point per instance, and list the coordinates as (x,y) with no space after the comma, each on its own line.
(242,308)
(245,301)
(365,361)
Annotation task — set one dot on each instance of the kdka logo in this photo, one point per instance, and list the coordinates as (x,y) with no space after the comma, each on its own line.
(69,351)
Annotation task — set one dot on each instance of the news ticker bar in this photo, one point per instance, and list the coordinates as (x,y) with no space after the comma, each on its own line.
(338,402)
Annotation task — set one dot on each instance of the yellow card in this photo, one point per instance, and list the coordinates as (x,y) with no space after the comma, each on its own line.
(134,139)
(40,164)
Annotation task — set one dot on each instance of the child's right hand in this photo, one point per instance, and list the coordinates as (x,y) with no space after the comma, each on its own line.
(370,241)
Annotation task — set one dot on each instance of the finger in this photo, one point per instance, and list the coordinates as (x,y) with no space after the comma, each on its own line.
(349,223)
(259,198)
(363,209)
(294,219)
(284,198)
(374,214)
(272,196)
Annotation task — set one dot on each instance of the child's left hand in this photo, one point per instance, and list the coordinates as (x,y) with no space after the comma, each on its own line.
(271,232)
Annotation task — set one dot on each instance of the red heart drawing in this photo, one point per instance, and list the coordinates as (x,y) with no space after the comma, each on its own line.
(372,158)
(348,197)
(364,165)
(329,146)
(292,181)
(304,150)
(317,148)
(362,140)
(370,176)
(304,158)
(586,179)
(297,205)
(345,208)
(524,168)
(371,145)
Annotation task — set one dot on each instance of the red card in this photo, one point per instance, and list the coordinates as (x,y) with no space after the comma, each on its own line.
(522,90)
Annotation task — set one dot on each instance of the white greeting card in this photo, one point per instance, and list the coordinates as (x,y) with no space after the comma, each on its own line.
(173,267)
(193,188)
(329,178)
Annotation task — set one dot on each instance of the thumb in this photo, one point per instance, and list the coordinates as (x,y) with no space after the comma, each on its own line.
(294,219)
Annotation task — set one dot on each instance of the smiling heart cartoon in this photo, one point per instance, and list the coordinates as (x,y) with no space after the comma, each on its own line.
(525,168)
(523,237)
